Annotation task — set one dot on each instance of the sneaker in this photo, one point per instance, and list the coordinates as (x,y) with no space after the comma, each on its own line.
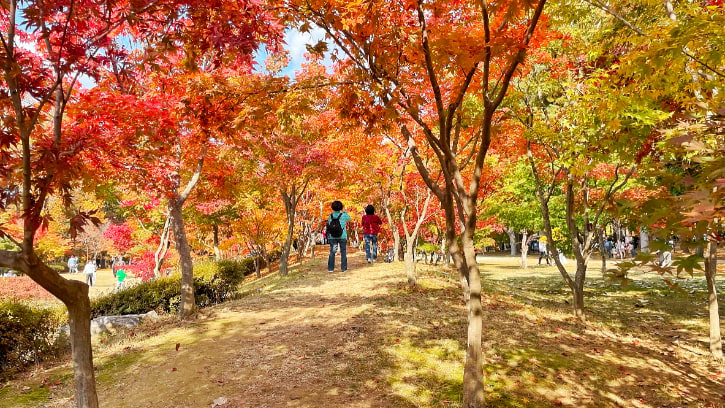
(369,261)
(330,271)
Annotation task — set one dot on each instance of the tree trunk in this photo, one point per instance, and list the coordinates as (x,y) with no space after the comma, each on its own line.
(512,240)
(266,260)
(217,251)
(163,248)
(643,240)
(396,235)
(79,321)
(257,270)
(603,252)
(473,396)
(74,295)
(578,290)
(284,258)
(410,264)
(188,304)
(712,303)
(524,249)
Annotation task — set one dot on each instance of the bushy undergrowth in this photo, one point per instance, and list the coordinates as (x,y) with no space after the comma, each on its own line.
(21,287)
(27,335)
(214,282)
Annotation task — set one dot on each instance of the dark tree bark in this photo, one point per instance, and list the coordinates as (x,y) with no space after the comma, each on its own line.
(215,242)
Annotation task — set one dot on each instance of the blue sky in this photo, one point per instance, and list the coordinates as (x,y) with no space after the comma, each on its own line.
(296,45)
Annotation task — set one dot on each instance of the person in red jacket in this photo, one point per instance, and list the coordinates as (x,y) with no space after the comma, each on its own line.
(371,228)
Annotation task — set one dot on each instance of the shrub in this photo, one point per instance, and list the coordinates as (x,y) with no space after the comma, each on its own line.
(232,272)
(27,335)
(428,248)
(22,287)
(160,294)
(214,282)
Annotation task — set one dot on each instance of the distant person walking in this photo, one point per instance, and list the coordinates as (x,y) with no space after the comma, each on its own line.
(73,264)
(120,278)
(90,272)
(543,253)
(371,228)
(337,235)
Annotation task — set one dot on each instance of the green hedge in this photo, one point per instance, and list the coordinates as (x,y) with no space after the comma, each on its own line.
(214,282)
(27,335)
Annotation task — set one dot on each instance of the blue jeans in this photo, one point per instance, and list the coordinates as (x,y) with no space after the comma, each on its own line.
(334,242)
(371,247)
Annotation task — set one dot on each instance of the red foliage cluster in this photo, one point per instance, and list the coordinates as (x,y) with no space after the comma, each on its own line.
(143,266)
(21,287)
(120,235)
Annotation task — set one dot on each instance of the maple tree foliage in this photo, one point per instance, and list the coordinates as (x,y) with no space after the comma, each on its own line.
(65,41)
(417,61)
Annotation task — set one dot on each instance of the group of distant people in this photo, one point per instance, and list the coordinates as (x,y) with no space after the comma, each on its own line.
(620,248)
(336,234)
(91,267)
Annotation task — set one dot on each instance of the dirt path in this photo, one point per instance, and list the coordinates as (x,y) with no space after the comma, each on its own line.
(312,342)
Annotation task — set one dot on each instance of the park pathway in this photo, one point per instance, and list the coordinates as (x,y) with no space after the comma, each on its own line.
(313,342)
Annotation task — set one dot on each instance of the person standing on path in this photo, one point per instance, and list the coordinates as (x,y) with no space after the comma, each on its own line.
(120,277)
(542,250)
(371,228)
(73,264)
(337,235)
(90,272)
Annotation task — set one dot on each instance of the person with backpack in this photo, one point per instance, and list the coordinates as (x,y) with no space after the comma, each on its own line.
(337,235)
(371,228)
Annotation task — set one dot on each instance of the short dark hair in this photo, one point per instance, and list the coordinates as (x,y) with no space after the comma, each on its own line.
(370,210)
(336,206)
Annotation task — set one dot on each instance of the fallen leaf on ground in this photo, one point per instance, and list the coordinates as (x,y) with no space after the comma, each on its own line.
(219,402)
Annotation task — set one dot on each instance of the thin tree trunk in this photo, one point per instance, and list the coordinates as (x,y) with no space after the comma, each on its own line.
(286,247)
(643,240)
(712,303)
(163,248)
(603,252)
(578,290)
(215,238)
(290,205)
(396,234)
(524,249)
(188,304)
(410,265)
(473,371)
(512,240)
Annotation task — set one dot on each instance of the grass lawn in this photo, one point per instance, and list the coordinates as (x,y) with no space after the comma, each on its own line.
(364,339)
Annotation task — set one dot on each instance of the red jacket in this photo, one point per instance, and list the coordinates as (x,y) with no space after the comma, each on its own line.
(371,224)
